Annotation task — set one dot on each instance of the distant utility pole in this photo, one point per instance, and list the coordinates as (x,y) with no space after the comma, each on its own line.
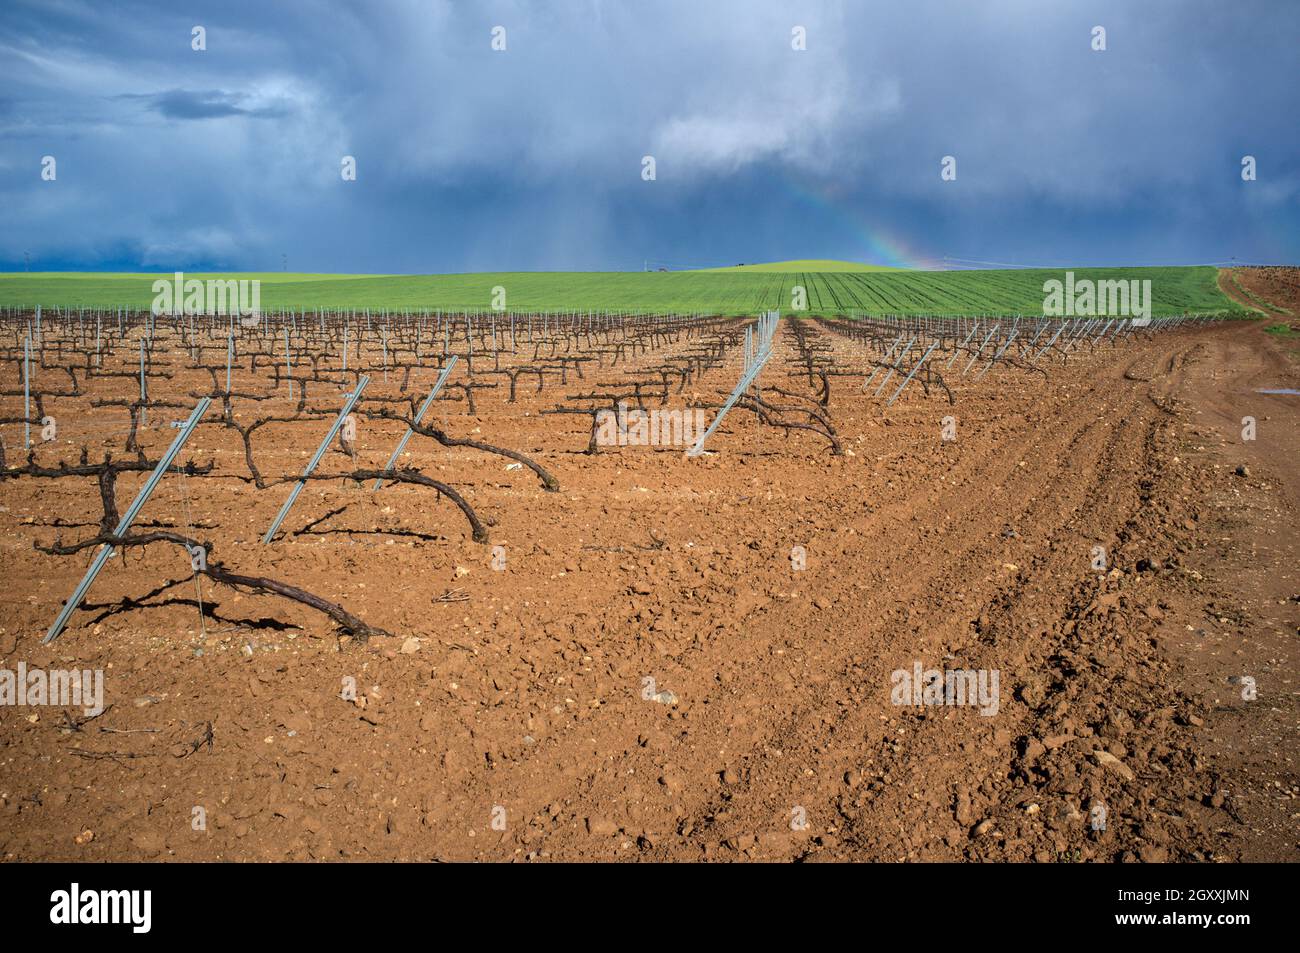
(284,262)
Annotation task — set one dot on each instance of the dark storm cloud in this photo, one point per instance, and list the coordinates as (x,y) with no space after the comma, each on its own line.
(469,158)
(204,104)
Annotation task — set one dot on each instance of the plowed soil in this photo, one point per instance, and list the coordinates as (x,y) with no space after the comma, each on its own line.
(1274,290)
(519,724)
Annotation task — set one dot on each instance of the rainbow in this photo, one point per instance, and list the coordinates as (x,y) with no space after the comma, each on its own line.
(879,246)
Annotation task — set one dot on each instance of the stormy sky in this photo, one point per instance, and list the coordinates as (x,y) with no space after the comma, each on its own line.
(529,158)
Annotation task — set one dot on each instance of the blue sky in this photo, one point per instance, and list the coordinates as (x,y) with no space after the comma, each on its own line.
(471,159)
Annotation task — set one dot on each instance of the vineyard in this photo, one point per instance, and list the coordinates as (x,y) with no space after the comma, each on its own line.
(654,433)
(725,291)
(362,582)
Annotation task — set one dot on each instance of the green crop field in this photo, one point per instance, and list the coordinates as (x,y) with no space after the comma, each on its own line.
(831,288)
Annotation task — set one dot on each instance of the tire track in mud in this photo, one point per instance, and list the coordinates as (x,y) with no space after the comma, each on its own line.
(1061,803)
(1065,556)
(1227,282)
(1244,616)
(1113,443)
(976,557)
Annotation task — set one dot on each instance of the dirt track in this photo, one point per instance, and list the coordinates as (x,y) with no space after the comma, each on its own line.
(973,553)
(1271,291)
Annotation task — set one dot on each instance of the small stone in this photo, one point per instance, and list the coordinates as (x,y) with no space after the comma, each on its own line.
(963,812)
(411,646)
(742,841)
(1112,763)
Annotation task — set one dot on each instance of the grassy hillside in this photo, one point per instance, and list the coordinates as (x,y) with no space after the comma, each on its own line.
(730,291)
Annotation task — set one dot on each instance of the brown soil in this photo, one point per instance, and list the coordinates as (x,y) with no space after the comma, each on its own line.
(1272,291)
(527,702)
